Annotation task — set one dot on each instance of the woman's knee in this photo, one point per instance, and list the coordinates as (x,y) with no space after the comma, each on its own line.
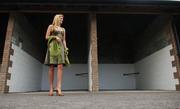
(51,67)
(60,66)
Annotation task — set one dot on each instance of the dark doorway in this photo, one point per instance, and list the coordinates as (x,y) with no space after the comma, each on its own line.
(30,49)
(132,49)
(3,28)
(176,31)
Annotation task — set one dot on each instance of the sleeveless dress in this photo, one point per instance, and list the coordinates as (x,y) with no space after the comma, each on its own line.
(60,57)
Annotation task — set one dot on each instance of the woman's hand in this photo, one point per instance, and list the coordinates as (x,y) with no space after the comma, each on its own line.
(58,39)
(66,51)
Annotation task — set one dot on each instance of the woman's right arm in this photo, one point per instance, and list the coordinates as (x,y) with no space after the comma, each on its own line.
(48,31)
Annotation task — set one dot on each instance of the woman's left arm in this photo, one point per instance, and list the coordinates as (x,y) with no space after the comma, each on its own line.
(64,39)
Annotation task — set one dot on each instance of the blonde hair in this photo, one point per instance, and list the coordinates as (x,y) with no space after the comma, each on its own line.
(56,17)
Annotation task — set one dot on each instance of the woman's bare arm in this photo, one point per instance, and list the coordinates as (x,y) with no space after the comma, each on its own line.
(64,39)
(48,31)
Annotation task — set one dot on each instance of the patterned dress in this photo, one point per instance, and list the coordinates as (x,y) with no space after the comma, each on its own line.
(60,57)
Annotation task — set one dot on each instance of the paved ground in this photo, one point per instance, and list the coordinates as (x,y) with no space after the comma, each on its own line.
(87,100)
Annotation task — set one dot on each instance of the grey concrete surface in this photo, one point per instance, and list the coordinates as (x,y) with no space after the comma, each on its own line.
(87,100)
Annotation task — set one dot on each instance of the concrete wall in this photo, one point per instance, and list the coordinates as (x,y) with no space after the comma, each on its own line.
(154,38)
(156,71)
(111,76)
(26,72)
(25,33)
(153,60)
(70,81)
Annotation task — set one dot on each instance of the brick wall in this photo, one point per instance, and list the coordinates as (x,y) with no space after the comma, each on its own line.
(4,74)
(93,54)
(173,52)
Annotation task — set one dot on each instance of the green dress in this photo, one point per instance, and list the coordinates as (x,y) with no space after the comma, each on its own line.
(56,53)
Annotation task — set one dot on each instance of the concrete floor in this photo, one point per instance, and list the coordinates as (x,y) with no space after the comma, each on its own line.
(87,100)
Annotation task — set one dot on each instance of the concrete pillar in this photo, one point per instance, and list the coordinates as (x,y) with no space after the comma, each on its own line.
(4,74)
(93,55)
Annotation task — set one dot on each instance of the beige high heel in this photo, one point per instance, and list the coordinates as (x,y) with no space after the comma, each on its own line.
(58,93)
(50,94)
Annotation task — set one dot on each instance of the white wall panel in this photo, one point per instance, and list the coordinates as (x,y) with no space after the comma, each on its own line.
(156,71)
(26,72)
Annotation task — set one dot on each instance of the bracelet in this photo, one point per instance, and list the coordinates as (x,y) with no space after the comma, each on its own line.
(66,48)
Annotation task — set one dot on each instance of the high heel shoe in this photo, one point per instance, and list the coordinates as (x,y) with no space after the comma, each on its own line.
(50,94)
(58,93)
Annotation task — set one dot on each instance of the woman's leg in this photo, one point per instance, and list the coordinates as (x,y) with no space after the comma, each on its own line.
(59,78)
(51,78)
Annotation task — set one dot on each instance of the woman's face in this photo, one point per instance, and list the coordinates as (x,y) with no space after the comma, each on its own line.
(60,19)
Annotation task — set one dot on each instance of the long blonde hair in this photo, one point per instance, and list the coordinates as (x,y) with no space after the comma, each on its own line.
(56,17)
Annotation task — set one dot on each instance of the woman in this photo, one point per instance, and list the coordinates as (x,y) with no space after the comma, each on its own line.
(57,52)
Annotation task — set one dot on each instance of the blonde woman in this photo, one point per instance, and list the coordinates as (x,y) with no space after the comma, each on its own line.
(56,53)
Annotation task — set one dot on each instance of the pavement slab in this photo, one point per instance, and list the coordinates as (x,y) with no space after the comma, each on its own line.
(89,100)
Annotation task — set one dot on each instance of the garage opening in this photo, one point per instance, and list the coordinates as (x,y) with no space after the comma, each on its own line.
(176,31)
(3,28)
(28,73)
(133,52)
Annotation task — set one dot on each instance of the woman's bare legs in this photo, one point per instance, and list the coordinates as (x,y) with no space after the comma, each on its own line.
(59,79)
(51,79)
